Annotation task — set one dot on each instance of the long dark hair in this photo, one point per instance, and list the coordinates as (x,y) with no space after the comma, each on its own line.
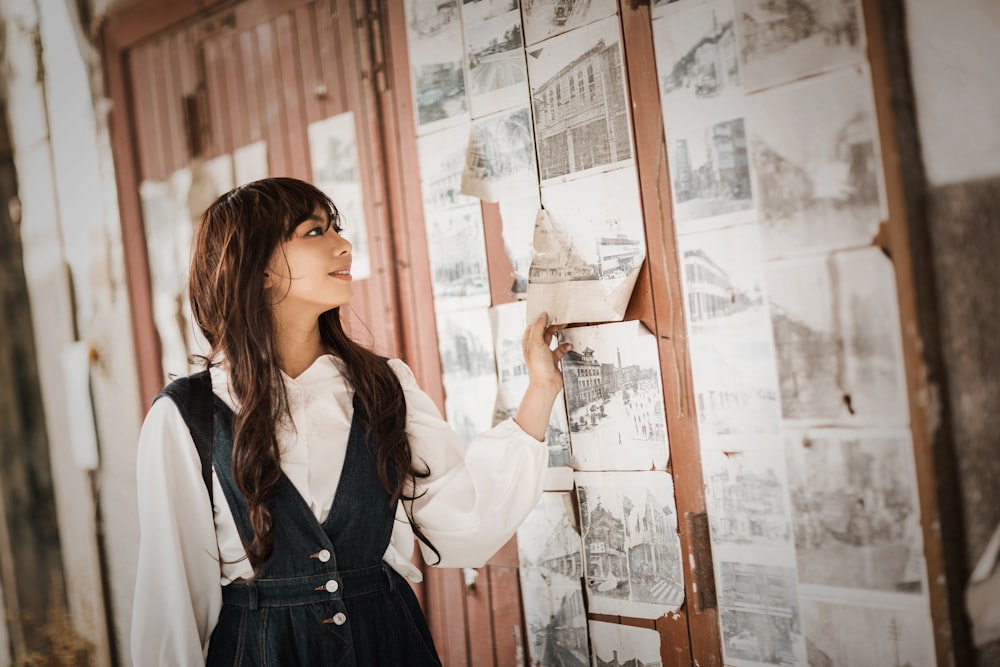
(233,244)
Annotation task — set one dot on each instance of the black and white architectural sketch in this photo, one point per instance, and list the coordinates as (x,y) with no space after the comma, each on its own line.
(710,173)
(578,98)
(746,496)
(333,150)
(816,159)
(512,374)
(494,50)
(784,40)
(735,384)
(434,42)
(632,554)
(854,508)
(551,572)
(723,282)
(837,338)
(589,245)
(442,157)
(501,156)
(546,18)
(892,637)
(617,645)
(457,256)
(465,343)
(614,398)
(759,614)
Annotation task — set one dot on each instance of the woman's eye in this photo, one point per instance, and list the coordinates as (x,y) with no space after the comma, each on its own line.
(315,231)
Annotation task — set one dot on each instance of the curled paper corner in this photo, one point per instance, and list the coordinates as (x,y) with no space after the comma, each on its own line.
(982,594)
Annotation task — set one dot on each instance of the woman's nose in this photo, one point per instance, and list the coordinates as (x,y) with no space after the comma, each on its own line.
(341,245)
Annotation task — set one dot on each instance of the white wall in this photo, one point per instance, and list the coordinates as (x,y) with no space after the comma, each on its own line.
(955,66)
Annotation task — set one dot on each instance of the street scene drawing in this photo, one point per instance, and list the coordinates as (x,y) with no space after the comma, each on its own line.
(723,282)
(759,614)
(494,48)
(501,156)
(892,637)
(547,18)
(614,398)
(784,40)
(589,245)
(816,159)
(836,334)
(434,41)
(518,216)
(578,98)
(333,149)
(457,257)
(854,508)
(509,322)
(632,556)
(442,156)
(551,573)
(617,645)
(468,361)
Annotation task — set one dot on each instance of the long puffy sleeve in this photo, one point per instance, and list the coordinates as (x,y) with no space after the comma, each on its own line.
(476,496)
(177,594)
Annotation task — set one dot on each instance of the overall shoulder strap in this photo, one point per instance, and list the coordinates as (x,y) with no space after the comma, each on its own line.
(201,423)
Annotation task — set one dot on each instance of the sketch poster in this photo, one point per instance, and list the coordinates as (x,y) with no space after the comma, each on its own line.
(509,323)
(755,633)
(551,573)
(589,246)
(855,509)
(817,162)
(881,636)
(494,49)
(437,63)
(501,157)
(442,158)
(250,163)
(336,170)
(518,216)
(457,257)
(469,374)
(617,644)
(746,497)
(785,41)
(547,18)
(837,338)
(614,398)
(632,555)
(578,97)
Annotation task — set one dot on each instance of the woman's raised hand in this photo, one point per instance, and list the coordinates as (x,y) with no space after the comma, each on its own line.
(544,377)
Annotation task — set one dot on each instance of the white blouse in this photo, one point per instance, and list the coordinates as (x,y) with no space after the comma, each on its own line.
(469,506)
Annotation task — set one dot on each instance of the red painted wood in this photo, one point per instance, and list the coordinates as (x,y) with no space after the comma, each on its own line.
(509,632)
(218,109)
(328,16)
(308,53)
(479,619)
(232,68)
(272,105)
(290,87)
(173,104)
(252,88)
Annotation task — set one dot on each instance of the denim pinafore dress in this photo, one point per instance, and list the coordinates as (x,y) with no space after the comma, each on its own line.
(325,596)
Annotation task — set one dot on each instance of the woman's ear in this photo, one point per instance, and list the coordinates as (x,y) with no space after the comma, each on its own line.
(268,283)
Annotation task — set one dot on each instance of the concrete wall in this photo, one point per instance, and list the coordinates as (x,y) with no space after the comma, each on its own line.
(954,51)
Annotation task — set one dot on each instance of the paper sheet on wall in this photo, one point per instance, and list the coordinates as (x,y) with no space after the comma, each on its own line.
(501,156)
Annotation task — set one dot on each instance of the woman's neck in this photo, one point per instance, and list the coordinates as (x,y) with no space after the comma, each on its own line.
(298,349)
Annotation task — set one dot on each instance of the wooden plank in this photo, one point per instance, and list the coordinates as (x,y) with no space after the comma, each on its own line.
(308,54)
(509,632)
(478,604)
(252,86)
(219,141)
(406,211)
(173,105)
(273,119)
(147,148)
(501,271)
(952,643)
(290,87)
(239,114)
(664,282)
(328,16)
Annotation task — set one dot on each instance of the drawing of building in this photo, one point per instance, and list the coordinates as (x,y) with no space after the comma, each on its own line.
(617,255)
(511,362)
(708,66)
(581,120)
(725,173)
(759,612)
(583,377)
(604,541)
(555,258)
(566,633)
(748,506)
(651,539)
(631,662)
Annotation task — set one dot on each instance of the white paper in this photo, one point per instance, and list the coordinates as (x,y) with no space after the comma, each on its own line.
(617,644)
(518,218)
(501,157)
(465,342)
(435,44)
(442,158)
(494,50)
(545,18)
(457,256)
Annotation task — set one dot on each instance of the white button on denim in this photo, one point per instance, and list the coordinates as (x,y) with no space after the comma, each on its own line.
(340,618)
(324,555)
(331,587)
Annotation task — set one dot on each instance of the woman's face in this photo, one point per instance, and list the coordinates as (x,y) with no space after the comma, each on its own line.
(311,272)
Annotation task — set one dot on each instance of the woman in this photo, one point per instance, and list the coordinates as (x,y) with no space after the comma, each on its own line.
(326,461)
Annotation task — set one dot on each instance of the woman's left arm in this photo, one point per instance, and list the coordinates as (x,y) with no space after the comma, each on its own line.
(477,495)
